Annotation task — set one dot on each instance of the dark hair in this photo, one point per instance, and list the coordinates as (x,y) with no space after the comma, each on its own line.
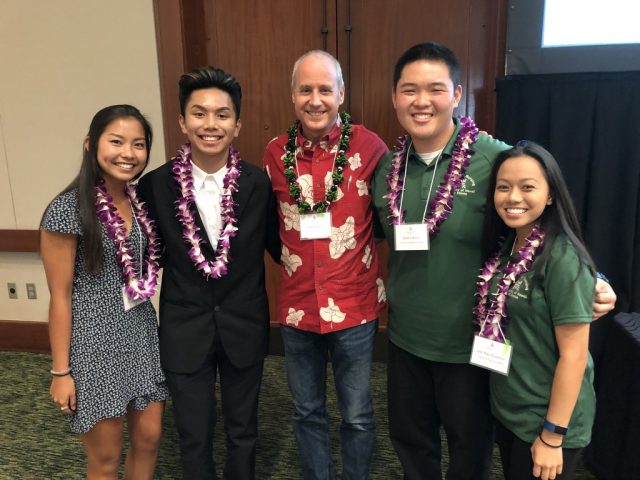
(558,218)
(209,77)
(428,51)
(90,172)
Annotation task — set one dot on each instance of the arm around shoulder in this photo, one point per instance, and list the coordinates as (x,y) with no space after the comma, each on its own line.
(272,234)
(605,298)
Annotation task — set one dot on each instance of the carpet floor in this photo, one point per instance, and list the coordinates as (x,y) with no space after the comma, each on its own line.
(35,442)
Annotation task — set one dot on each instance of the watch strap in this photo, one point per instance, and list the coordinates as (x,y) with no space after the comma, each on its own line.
(552,427)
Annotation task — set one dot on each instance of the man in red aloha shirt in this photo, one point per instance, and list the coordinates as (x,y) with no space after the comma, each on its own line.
(331,289)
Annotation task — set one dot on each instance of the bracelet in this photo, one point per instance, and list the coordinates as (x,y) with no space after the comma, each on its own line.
(548,444)
(602,276)
(60,373)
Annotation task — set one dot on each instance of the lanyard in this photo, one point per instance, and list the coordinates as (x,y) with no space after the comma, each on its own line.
(140,249)
(404,179)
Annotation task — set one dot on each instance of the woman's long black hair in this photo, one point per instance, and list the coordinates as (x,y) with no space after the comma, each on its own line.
(89,174)
(558,218)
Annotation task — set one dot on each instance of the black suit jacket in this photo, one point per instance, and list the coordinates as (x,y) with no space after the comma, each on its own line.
(192,308)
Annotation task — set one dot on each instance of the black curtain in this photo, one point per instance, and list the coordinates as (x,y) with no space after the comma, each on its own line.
(591,124)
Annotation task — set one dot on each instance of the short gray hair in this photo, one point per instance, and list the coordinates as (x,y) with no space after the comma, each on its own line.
(318,53)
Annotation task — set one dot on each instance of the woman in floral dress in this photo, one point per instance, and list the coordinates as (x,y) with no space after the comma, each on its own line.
(100,254)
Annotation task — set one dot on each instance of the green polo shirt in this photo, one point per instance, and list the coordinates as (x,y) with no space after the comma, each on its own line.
(431,293)
(563,295)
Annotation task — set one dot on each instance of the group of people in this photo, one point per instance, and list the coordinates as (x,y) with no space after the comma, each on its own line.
(330,189)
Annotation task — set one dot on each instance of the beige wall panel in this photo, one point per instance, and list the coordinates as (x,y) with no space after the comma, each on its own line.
(7,217)
(61,62)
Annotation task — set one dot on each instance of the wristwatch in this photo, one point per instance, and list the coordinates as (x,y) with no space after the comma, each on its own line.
(552,427)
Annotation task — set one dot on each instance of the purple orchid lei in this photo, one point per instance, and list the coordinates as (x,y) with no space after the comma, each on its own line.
(442,203)
(491,315)
(182,172)
(137,288)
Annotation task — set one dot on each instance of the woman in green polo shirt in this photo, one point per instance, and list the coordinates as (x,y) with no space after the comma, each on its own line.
(535,296)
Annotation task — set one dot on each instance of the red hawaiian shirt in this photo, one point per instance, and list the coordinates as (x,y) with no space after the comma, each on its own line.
(332,283)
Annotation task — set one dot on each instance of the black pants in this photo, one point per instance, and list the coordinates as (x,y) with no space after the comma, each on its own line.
(194,408)
(516,457)
(423,395)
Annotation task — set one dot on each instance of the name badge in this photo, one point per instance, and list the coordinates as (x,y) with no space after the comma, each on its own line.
(490,354)
(411,236)
(129,302)
(315,225)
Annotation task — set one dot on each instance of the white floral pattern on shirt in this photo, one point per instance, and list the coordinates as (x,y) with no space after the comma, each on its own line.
(367,257)
(294,316)
(290,261)
(382,294)
(306,187)
(291,216)
(355,162)
(342,238)
(362,188)
(331,313)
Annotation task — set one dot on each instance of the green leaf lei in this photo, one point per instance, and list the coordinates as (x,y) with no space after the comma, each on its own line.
(289,161)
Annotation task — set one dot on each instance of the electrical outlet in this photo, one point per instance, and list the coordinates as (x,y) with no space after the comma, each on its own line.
(31,291)
(13,291)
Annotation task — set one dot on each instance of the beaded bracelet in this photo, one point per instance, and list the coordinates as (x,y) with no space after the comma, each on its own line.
(61,373)
(548,444)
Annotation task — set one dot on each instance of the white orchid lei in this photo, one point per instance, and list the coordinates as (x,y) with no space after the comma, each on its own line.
(491,314)
(138,287)
(182,172)
(442,203)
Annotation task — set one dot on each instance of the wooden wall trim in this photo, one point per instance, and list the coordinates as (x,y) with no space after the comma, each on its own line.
(18,240)
(171,64)
(24,336)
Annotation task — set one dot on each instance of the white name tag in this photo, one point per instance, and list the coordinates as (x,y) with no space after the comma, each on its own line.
(129,303)
(315,225)
(411,236)
(492,355)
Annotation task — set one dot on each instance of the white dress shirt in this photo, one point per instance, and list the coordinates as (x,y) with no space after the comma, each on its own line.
(207,188)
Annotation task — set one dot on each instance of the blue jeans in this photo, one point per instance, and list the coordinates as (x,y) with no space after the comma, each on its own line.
(306,356)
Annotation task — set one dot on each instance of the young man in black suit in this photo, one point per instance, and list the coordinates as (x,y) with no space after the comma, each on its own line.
(216,215)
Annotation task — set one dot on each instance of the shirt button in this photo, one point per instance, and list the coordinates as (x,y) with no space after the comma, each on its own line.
(321,288)
(216,308)
(317,160)
(318,185)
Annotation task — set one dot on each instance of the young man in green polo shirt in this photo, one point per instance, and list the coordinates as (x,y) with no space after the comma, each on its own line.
(434,260)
